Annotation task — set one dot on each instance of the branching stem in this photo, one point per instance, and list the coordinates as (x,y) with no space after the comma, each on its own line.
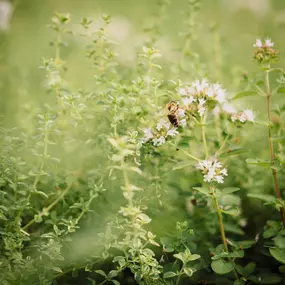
(271,149)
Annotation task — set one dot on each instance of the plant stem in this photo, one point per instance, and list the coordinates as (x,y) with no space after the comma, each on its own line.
(274,172)
(126,180)
(49,207)
(222,145)
(178,279)
(190,155)
(204,141)
(222,230)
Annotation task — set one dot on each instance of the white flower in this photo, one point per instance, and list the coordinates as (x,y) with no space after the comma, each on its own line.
(245,116)
(201,108)
(159,141)
(172,132)
(180,112)
(219,178)
(249,115)
(224,172)
(269,43)
(258,43)
(162,124)
(202,101)
(188,100)
(242,117)
(147,134)
(212,171)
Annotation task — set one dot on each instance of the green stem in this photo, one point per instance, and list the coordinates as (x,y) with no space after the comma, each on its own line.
(221,224)
(271,149)
(190,155)
(37,179)
(179,277)
(126,180)
(115,121)
(222,145)
(204,141)
(49,207)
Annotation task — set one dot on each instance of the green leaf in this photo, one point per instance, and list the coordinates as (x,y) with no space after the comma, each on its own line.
(180,256)
(247,270)
(245,94)
(263,197)
(203,190)
(41,193)
(169,274)
(101,272)
(281,90)
(222,267)
(188,271)
(229,190)
(265,278)
(259,162)
(232,211)
(194,257)
(112,274)
(278,254)
(116,282)
(56,269)
(234,151)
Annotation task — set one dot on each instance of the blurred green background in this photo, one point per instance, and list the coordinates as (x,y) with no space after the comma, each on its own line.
(26,40)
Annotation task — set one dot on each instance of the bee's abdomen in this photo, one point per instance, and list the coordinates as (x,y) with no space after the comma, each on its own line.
(173,119)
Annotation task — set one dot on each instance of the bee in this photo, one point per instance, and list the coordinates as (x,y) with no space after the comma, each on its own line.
(172,115)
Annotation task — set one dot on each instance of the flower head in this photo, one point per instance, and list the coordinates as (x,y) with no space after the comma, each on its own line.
(244,116)
(212,170)
(264,52)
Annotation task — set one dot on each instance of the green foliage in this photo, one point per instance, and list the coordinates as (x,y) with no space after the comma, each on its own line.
(132,166)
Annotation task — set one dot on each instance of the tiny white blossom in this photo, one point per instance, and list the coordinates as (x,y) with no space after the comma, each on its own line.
(269,43)
(162,124)
(249,114)
(181,113)
(202,101)
(188,100)
(212,171)
(172,132)
(224,172)
(258,43)
(147,134)
(219,178)
(201,111)
(159,141)
(242,117)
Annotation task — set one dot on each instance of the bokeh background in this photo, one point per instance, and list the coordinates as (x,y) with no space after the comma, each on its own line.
(24,37)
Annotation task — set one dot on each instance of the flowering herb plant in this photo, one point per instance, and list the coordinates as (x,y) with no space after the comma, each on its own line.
(152,171)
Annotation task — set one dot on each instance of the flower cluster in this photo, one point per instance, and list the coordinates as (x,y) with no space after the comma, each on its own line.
(264,52)
(212,170)
(158,136)
(244,116)
(196,96)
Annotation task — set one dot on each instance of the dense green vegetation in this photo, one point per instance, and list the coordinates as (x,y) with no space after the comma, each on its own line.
(142,142)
